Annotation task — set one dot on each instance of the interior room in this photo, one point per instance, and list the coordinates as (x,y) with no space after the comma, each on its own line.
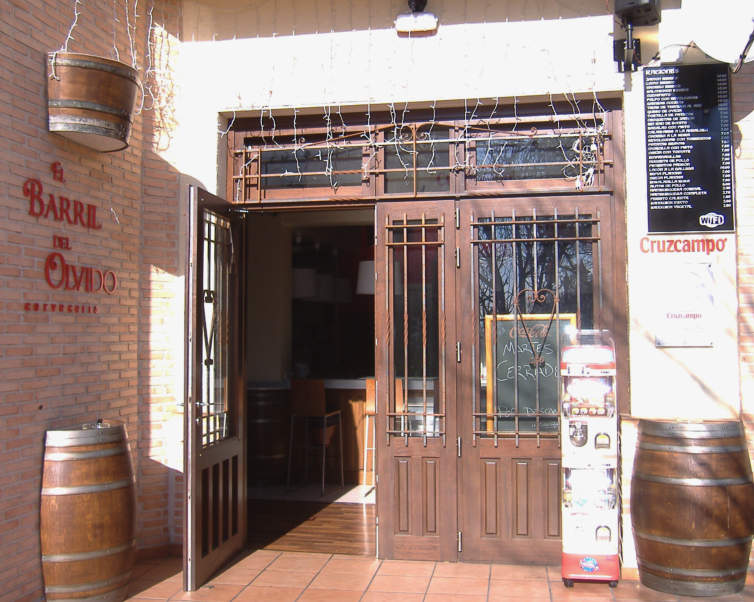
(310,369)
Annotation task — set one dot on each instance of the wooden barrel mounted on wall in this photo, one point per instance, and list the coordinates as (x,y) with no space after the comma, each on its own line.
(90,100)
(87,514)
(268,424)
(692,506)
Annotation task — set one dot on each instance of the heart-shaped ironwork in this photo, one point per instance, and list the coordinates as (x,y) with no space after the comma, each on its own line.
(538,296)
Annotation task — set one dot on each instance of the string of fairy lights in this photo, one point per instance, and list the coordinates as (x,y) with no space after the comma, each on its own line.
(156,86)
(580,144)
(400,137)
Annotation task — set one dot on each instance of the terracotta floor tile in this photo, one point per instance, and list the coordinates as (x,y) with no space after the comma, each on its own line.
(518,572)
(371,596)
(155,590)
(236,575)
(454,598)
(406,567)
(255,593)
(580,591)
(633,590)
(330,595)
(286,578)
(458,585)
(526,589)
(352,564)
(333,579)
(211,593)
(258,559)
(405,584)
(466,570)
(295,561)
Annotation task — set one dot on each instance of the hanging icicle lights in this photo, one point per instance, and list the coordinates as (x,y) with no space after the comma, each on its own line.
(417,150)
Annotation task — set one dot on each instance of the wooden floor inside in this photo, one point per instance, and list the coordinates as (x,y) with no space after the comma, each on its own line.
(305,526)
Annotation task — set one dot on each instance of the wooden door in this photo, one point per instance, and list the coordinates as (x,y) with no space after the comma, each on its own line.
(415,391)
(531,267)
(214,457)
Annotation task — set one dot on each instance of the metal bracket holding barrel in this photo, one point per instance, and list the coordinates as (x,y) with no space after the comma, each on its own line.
(692,506)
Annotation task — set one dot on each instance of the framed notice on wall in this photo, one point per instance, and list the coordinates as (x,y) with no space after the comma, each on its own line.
(689,149)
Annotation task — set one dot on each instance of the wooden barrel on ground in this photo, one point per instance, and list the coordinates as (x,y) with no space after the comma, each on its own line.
(692,506)
(268,422)
(87,514)
(91,100)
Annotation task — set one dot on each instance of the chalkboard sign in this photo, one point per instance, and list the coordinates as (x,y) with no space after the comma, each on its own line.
(509,368)
(689,150)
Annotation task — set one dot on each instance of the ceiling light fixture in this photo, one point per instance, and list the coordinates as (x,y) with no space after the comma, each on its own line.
(417,21)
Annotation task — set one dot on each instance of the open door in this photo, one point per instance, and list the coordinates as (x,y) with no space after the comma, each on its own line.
(215,447)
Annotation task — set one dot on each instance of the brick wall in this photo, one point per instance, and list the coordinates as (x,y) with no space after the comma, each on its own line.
(57,368)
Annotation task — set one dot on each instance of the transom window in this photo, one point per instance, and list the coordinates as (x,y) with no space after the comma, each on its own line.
(418,153)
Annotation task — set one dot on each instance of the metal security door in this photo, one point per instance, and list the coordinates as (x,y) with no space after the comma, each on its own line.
(214,457)
(415,366)
(532,269)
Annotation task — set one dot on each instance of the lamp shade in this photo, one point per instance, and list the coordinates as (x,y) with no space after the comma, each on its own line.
(365,279)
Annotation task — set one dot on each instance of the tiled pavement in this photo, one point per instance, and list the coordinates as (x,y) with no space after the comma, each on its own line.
(294,576)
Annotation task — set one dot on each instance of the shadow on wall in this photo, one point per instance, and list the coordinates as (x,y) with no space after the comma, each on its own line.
(230,19)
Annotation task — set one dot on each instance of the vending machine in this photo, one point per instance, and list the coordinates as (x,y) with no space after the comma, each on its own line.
(589,441)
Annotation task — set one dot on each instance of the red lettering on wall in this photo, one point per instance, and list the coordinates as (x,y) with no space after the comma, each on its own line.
(679,245)
(71,277)
(59,208)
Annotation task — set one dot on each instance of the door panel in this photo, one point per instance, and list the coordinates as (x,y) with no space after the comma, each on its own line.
(214,457)
(533,267)
(415,367)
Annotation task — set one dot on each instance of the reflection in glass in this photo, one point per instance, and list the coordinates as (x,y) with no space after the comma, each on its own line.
(212,407)
(553,253)
(416,334)
(312,167)
(432,160)
(538,157)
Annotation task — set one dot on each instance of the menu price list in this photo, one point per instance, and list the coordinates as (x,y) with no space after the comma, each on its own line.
(689,151)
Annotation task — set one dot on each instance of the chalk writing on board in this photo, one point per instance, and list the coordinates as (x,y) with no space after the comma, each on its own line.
(516,386)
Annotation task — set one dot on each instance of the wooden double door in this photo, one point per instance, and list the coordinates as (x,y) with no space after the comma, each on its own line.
(474,299)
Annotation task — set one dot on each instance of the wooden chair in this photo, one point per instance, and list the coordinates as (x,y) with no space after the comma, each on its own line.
(369,417)
(309,410)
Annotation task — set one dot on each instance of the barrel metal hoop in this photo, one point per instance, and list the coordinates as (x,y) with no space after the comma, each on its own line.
(693,572)
(694,482)
(86,488)
(87,455)
(76,557)
(87,125)
(692,449)
(85,104)
(691,430)
(122,70)
(83,587)
(695,543)
(683,587)
(76,437)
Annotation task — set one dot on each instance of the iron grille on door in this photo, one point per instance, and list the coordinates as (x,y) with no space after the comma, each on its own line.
(533,278)
(212,408)
(416,270)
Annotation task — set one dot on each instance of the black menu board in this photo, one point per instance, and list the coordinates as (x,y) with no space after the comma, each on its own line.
(689,151)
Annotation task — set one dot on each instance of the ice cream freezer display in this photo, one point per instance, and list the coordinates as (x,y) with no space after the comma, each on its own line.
(589,435)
